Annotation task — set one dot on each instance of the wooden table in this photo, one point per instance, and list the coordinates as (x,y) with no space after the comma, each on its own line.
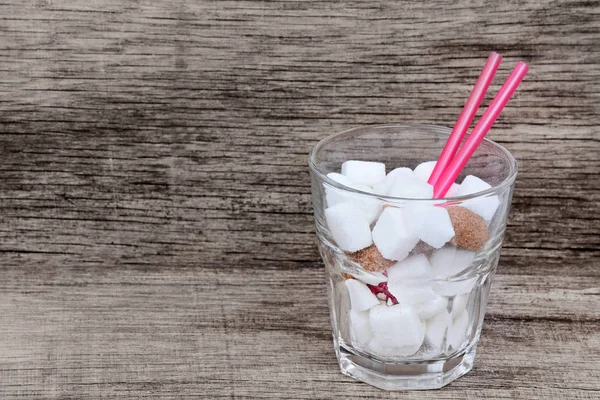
(156,231)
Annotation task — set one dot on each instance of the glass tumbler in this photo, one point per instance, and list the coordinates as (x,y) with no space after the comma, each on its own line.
(406,301)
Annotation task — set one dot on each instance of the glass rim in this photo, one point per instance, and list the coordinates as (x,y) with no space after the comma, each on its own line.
(507,182)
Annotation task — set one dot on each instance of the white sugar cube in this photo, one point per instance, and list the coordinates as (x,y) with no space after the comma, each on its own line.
(458,331)
(349,227)
(389,178)
(384,350)
(431,224)
(380,189)
(369,205)
(424,301)
(396,326)
(339,178)
(423,171)
(453,191)
(449,261)
(433,307)
(472,184)
(390,235)
(437,328)
(410,187)
(334,195)
(364,172)
(485,206)
(405,351)
(360,328)
(361,297)
(412,294)
(370,278)
(415,267)
(454,288)
(379,349)
(459,304)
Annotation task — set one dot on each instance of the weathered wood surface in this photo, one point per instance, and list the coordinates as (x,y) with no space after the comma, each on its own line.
(156,237)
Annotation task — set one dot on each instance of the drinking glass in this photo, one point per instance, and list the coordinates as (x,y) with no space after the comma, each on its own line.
(426,335)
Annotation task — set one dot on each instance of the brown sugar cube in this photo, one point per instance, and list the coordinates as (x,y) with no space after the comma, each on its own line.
(470,231)
(371,259)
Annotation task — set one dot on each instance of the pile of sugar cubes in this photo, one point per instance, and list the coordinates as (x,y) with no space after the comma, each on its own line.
(400,296)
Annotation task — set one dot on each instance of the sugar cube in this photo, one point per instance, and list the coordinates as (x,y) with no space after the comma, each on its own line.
(364,172)
(458,331)
(459,304)
(384,350)
(389,178)
(437,328)
(410,187)
(449,261)
(411,295)
(420,296)
(334,195)
(423,171)
(396,326)
(339,178)
(430,224)
(369,205)
(370,278)
(415,267)
(453,191)
(370,259)
(454,288)
(349,227)
(361,297)
(433,307)
(485,206)
(390,235)
(360,328)
(380,189)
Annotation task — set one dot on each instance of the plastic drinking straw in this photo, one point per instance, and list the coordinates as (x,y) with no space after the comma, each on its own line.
(466,116)
(481,129)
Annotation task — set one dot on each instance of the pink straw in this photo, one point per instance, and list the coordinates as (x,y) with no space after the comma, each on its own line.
(466,116)
(481,129)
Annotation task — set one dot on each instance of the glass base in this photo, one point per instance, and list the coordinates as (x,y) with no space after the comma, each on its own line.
(413,375)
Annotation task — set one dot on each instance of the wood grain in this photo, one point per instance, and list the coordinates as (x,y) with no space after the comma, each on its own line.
(156,236)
